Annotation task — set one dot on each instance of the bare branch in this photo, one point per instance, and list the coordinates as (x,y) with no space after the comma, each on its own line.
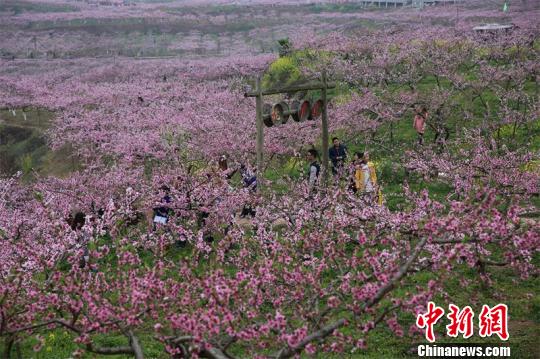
(135,345)
(488,262)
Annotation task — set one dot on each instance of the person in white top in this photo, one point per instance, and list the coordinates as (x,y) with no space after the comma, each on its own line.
(314,169)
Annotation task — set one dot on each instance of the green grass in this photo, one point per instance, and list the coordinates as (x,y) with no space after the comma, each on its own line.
(59,345)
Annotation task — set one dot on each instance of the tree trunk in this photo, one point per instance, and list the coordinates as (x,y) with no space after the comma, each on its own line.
(7,347)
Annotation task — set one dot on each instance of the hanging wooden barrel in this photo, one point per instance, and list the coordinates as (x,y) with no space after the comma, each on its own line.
(267,109)
(301,110)
(316,109)
(280,113)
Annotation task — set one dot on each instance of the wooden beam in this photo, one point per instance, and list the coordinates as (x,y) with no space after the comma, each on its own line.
(306,87)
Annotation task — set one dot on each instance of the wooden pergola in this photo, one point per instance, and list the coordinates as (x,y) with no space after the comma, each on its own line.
(259,92)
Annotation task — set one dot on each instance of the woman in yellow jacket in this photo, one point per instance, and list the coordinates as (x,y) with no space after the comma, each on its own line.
(365,177)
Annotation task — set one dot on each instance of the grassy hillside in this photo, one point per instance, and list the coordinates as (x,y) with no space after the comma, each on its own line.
(25,148)
(23,145)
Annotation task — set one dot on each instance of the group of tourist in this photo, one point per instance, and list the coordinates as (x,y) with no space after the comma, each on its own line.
(362,173)
(363,176)
(362,181)
(220,171)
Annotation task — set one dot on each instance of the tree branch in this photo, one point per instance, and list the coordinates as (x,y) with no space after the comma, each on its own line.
(54,321)
(319,334)
(210,353)
(110,350)
(456,241)
(329,329)
(400,274)
(214,353)
(384,314)
(488,262)
(135,345)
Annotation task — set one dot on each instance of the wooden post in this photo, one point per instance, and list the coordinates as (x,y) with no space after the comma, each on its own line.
(260,135)
(324,132)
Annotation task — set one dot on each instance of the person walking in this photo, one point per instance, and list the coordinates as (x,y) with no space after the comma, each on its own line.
(314,169)
(338,155)
(162,211)
(365,178)
(77,223)
(249,179)
(419,123)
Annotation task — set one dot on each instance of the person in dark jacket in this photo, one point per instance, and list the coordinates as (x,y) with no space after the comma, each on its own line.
(162,212)
(249,179)
(76,223)
(338,155)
